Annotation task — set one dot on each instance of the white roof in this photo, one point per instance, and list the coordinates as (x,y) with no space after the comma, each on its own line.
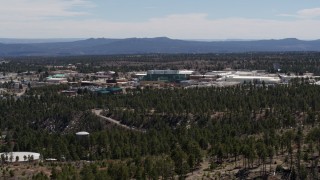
(12,156)
(220,73)
(244,73)
(169,71)
(82,133)
(141,74)
(185,72)
(251,78)
(56,79)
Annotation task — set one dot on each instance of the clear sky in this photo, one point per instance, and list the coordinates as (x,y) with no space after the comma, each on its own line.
(179,19)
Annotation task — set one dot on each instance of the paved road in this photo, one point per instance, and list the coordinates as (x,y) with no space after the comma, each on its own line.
(22,92)
(113,121)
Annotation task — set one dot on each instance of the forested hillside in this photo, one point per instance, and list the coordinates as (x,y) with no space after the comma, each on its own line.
(248,123)
(290,62)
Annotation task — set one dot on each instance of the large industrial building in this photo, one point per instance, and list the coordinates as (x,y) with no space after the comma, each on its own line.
(247,77)
(251,79)
(20,156)
(167,75)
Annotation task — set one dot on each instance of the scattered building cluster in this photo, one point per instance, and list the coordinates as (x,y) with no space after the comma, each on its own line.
(111,82)
(188,79)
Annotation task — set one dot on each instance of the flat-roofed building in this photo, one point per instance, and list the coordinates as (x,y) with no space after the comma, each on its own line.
(57,80)
(167,75)
(252,79)
(20,156)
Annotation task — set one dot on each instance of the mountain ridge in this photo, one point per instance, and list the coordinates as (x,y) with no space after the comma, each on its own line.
(109,46)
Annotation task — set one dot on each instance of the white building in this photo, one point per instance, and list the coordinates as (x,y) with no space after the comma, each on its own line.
(57,80)
(186,72)
(252,79)
(82,133)
(219,73)
(20,156)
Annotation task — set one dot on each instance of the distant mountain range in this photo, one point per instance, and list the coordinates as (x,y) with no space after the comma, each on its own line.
(31,41)
(104,46)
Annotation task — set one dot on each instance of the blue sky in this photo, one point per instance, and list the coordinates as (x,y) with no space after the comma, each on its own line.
(180,19)
(139,10)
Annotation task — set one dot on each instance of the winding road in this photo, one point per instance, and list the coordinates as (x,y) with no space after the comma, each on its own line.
(115,122)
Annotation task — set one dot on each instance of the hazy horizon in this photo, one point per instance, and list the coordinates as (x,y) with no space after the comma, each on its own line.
(54,40)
